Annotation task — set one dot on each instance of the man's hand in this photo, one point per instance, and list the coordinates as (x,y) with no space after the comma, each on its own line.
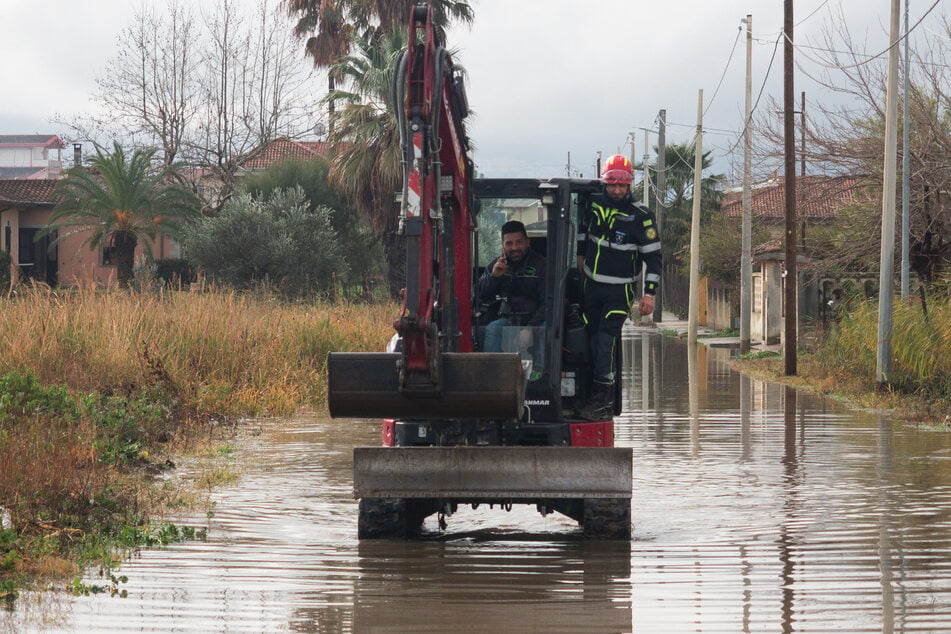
(646,306)
(500,267)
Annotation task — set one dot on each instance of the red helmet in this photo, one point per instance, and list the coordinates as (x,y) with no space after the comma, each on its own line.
(618,169)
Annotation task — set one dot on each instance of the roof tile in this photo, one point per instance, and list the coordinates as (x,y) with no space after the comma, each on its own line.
(820,197)
(41,140)
(281,149)
(28,191)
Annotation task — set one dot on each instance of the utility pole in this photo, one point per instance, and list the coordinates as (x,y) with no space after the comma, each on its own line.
(886,278)
(647,174)
(646,186)
(694,307)
(802,123)
(802,171)
(660,192)
(790,303)
(746,260)
(905,176)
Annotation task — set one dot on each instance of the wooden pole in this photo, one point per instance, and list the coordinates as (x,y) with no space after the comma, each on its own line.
(660,192)
(790,303)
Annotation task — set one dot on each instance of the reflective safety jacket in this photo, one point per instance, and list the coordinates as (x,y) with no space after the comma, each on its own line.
(616,239)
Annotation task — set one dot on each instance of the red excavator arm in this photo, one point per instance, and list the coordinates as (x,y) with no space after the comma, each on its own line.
(436,374)
(435,217)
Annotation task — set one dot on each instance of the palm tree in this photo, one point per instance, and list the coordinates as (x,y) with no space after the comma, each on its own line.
(365,144)
(331,40)
(679,159)
(331,26)
(120,203)
(678,197)
(359,41)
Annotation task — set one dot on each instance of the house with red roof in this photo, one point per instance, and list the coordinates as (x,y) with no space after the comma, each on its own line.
(819,199)
(209,185)
(25,208)
(28,177)
(281,150)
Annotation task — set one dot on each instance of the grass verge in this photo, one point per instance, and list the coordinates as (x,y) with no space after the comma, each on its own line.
(99,390)
(843,362)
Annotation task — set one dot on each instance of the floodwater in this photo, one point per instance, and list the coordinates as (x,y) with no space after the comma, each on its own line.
(756,509)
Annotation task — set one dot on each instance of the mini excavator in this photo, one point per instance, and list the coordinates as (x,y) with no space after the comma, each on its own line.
(462,426)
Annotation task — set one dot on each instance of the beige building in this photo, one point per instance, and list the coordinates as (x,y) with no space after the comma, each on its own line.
(820,199)
(30,167)
(25,208)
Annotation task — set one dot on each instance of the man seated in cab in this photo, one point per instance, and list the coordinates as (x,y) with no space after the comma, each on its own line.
(515,279)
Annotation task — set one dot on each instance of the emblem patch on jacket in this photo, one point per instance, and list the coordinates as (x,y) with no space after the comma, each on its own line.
(651,234)
(619,237)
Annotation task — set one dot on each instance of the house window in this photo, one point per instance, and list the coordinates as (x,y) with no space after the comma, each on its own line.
(108,256)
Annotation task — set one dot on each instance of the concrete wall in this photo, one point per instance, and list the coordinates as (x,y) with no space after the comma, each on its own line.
(716,310)
(766,318)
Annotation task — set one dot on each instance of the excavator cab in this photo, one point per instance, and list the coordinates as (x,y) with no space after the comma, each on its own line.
(560,374)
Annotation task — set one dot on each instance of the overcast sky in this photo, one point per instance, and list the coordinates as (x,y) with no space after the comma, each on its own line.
(546,77)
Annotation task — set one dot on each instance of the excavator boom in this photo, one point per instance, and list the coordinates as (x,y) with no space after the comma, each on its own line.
(427,379)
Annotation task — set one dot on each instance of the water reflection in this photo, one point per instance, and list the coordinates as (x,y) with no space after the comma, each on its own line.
(780,512)
(472,585)
(757,508)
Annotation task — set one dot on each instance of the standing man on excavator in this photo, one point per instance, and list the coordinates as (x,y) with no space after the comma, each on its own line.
(617,237)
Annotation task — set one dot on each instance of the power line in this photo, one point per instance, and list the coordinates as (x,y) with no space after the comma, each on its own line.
(805,19)
(879,54)
(725,68)
(705,129)
(762,87)
(815,11)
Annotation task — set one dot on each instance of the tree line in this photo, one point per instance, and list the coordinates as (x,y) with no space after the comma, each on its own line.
(204,93)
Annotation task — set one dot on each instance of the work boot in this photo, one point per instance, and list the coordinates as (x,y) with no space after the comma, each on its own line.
(601,404)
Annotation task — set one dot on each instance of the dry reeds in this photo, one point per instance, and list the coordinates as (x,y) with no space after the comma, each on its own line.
(219,352)
(91,380)
(921,347)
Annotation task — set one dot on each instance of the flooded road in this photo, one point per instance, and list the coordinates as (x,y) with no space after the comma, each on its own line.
(756,509)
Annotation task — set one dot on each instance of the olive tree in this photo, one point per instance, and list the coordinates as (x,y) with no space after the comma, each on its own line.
(275,241)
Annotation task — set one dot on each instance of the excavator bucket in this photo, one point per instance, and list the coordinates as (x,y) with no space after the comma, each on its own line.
(492,472)
(472,385)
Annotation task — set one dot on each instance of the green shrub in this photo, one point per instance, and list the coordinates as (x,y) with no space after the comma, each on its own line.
(4,270)
(21,395)
(361,248)
(275,241)
(125,425)
(174,271)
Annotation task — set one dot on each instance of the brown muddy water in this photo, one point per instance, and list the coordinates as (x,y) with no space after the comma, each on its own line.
(756,509)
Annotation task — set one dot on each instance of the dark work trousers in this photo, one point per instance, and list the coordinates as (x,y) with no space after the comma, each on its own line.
(606,306)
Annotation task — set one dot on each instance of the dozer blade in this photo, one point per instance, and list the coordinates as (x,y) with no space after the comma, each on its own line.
(473,385)
(492,472)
